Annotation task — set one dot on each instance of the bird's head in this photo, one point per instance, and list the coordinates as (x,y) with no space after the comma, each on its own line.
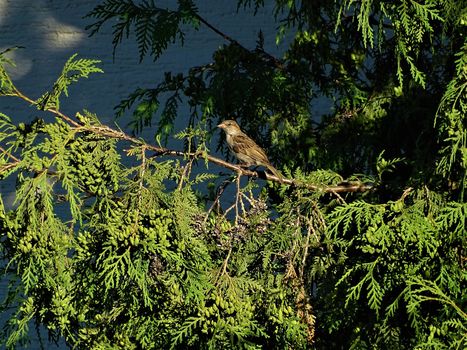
(230,127)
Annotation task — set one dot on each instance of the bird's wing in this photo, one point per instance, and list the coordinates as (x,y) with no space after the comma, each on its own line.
(244,145)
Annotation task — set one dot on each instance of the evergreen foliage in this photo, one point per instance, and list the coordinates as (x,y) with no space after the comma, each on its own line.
(111,243)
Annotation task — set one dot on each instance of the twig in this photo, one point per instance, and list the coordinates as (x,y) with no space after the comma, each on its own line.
(247,198)
(141,187)
(220,190)
(9,154)
(226,261)
(182,176)
(339,198)
(237,198)
(405,193)
(142,169)
(52,110)
(229,209)
(223,269)
(305,251)
(187,169)
(8,166)
(277,62)
(314,232)
(296,234)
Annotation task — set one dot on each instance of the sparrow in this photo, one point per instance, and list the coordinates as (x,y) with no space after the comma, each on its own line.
(245,149)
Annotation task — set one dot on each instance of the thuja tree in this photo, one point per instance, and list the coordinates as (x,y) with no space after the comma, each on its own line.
(114,241)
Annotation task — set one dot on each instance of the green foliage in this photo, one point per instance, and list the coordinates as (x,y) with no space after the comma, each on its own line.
(106,255)
(148,106)
(452,126)
(73,70)
(112,244)
(154,27)
(396,256)
(6,85)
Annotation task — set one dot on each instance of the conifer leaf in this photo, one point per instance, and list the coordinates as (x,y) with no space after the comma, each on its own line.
(73,70)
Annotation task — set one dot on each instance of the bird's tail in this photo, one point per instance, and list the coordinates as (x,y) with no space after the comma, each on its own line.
(275,171)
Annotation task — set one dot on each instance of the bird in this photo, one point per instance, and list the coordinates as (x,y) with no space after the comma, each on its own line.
(245,149)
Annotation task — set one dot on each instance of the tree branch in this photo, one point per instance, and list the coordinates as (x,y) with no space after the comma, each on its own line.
(276,61)
(107,131)
(345,187)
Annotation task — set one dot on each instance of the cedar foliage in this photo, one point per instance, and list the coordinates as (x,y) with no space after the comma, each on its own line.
(150,254)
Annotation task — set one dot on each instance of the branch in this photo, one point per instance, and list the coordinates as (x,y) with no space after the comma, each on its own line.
(107,131)
(277,62)
(4,151)
(52,110)
(345,187)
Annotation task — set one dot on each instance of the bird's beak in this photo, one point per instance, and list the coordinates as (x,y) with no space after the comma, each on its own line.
(221,125)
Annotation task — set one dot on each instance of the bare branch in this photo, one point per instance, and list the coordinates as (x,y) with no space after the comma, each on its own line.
(277,63)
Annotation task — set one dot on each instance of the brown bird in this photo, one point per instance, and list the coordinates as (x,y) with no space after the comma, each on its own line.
(244,148)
